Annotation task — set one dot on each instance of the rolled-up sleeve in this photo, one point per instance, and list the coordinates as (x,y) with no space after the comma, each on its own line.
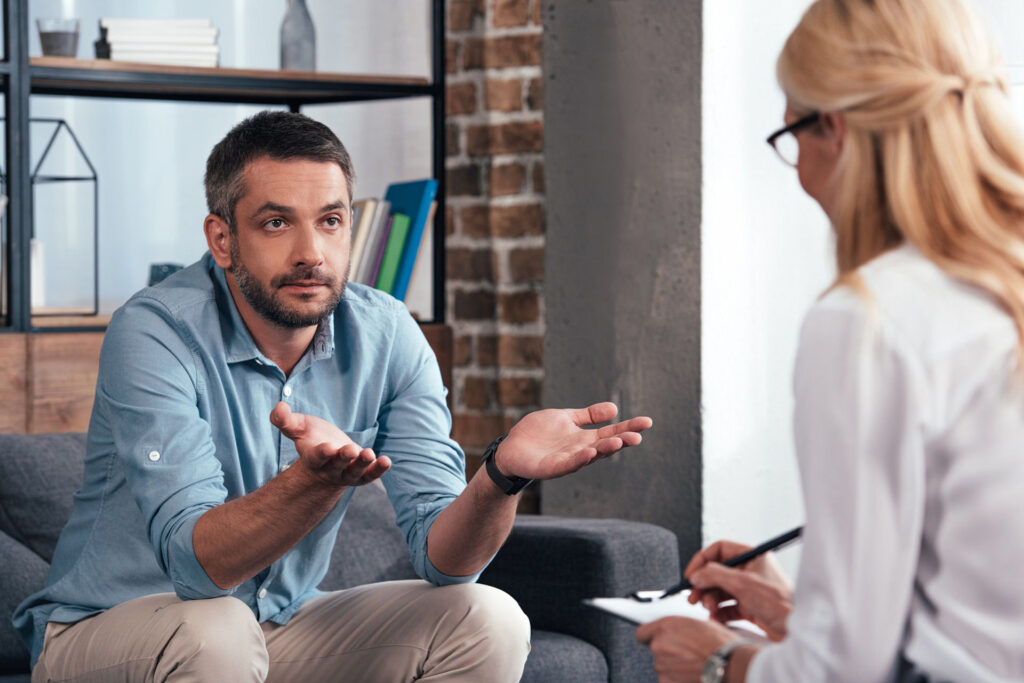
(148,392)
(429,468)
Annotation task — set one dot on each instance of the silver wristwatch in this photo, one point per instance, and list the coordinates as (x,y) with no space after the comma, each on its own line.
(714,668)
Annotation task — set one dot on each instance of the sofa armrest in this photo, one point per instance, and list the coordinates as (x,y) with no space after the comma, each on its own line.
(550,564)
(22,573)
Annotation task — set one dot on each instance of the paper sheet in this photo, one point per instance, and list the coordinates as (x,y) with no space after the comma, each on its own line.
(673,606)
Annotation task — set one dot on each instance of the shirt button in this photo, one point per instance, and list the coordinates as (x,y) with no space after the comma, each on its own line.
(287,391)
(284,467)
(154,455)
(259,362)
(262,594)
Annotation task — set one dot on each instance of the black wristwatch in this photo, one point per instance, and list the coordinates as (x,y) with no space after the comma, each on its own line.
(510,485)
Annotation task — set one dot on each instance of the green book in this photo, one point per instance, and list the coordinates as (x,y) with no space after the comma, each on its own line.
(393,253)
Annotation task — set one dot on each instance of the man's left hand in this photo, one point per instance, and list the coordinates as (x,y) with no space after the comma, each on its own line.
(551,443)
(681,646)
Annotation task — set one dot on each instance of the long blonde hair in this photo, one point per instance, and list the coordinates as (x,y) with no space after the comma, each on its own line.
(933,155)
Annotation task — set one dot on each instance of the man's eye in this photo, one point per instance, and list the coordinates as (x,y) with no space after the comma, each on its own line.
(333,221)
(275,223)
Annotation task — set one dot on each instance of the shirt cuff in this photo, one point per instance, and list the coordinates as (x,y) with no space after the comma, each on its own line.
(191,582)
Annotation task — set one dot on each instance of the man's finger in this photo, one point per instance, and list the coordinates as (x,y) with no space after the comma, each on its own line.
(291,424)
(595,414)
(634,424)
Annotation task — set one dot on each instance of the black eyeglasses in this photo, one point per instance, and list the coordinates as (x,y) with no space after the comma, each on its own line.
(786,145)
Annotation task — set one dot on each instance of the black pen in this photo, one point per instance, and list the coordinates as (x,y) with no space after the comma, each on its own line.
(742,558)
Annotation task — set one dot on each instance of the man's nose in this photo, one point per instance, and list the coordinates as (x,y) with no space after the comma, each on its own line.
(307,249)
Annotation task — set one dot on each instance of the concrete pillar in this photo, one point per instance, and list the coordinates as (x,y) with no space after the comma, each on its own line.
(622,110)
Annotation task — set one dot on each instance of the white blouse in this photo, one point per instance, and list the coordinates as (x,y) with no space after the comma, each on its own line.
(909,422)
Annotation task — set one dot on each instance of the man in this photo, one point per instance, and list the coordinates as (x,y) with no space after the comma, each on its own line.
(202,529)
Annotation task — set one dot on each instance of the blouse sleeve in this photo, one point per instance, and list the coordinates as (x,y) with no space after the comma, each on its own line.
(858,428)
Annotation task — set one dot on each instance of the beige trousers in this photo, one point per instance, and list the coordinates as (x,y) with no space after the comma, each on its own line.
(387,632)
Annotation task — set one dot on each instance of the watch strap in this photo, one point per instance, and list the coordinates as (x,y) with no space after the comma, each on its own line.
(510,485)
(714,667)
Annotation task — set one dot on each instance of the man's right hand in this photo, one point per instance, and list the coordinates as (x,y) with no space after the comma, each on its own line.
(326,451)
(762,592)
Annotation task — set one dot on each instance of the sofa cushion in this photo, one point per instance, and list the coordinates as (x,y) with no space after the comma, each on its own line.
(562,658)
(22,573)
(370,547)
(38,477)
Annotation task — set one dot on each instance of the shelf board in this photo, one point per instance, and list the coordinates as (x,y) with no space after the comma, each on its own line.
(106,78)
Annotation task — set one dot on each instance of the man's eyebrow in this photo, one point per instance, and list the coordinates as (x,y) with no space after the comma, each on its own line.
(334,206)
(271,206)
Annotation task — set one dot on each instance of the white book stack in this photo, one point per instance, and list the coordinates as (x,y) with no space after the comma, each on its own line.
(181,42)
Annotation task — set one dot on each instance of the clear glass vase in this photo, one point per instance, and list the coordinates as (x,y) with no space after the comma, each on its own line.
(298,38)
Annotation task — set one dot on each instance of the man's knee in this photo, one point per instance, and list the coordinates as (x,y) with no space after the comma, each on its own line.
(491,618)
(220,637)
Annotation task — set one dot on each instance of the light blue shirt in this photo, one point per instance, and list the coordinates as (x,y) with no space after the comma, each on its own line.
(180,425)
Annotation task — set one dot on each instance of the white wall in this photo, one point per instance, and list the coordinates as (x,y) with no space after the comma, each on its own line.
(150,156)
(765,257)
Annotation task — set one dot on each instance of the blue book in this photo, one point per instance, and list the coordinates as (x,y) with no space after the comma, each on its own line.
(412,199)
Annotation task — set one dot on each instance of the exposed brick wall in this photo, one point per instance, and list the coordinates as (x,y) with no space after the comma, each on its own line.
(495,220)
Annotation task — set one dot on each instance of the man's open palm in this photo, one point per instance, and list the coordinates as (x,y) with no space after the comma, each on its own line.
(551,443)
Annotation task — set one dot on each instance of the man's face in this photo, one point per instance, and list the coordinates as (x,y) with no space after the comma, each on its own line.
(290,250)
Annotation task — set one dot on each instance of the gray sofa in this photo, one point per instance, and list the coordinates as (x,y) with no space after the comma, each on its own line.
(549,564)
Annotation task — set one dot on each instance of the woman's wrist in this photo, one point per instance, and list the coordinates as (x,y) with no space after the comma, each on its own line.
(739,662)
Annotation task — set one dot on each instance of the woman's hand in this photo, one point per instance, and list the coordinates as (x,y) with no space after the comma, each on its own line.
(762,592)
(681,646)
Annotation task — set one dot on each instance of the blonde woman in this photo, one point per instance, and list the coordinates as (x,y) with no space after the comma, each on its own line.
(909,381)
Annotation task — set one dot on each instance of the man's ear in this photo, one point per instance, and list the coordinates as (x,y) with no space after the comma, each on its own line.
(218,240)
(834,125)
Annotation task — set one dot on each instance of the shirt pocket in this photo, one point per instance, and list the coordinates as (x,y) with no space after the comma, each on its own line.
(364,437)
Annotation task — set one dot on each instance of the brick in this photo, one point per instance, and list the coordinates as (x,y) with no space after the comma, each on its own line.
(507,51)
(476,392)
(520,351)
(536,13)
(476,221)
(535,94)
(449,221)
(510,13)
(519,307)
(474,305)
(462,350)
(463,181)
(462,13)
(538,177)
(526,265)
(472,53)
(487,350)
(507,138)
(504,95)
(517,392)
(451,140)
(460,98)
(506,179)
(475,431)
(517,220)
(470,264)
(451,56)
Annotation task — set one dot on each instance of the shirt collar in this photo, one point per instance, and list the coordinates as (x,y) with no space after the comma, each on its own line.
(239,345)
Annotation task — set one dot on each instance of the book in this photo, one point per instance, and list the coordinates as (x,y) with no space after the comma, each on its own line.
(205,36)
(362,219)
(163,58)
(397,238)
(378,258)
(419,299)
(412,199)
(372,247)
(184,50)
(153,24)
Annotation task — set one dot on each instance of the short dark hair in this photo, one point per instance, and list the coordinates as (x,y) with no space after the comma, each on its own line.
(278,135)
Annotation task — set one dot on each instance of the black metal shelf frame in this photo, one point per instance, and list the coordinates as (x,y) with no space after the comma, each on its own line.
(20,79)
